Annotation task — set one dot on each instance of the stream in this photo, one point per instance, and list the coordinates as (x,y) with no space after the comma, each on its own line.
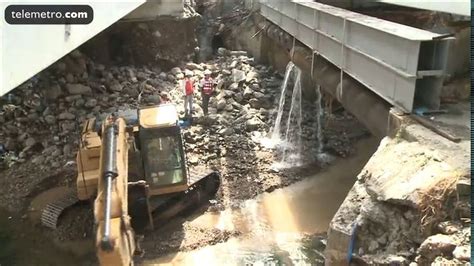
(275,226)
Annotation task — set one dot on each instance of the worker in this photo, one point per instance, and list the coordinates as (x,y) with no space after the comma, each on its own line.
(188,90)
(207,88)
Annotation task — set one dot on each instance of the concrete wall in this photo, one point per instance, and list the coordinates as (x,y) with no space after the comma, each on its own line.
(275,55)
(244,38)
(166,41)
(459,51)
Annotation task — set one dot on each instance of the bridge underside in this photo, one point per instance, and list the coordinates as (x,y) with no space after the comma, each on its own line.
(402,65)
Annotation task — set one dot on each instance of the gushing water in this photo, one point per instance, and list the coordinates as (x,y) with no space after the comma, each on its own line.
(290,142)
(296,112)
(319,114)
(275,137)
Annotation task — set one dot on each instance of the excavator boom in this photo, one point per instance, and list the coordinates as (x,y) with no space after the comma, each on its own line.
(115,238)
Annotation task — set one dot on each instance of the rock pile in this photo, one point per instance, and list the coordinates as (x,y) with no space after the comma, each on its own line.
(41,120)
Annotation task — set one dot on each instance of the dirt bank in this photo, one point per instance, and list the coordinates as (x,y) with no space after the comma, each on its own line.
(417,213)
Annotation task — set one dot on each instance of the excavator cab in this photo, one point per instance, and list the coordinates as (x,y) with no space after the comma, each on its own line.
(162,150)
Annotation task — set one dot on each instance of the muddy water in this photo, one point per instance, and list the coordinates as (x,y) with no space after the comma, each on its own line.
(21,243)
(274,224)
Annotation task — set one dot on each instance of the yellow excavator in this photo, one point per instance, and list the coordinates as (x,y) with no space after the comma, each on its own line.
(133,166)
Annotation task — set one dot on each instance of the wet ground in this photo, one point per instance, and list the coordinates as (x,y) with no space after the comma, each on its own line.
(278,227)
(274,227)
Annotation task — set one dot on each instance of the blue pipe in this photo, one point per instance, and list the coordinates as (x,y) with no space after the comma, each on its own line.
(352,242)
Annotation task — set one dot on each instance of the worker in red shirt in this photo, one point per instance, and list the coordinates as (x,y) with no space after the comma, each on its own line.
(207,88)
(188,90)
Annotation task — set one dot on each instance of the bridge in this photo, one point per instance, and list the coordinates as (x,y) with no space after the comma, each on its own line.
(386,64)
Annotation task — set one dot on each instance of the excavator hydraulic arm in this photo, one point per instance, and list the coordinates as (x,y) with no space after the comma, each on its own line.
(115,239)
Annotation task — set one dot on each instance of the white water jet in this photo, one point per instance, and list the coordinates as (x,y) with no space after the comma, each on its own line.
(319,115)
(276,129)
(296,112)
(321,156)
(275,136)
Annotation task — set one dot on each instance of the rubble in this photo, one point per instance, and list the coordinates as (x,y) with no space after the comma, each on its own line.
(42,120)
(410,211)
(437,245)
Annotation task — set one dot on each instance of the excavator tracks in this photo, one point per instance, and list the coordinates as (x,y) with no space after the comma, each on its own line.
(52,211)
(203,185)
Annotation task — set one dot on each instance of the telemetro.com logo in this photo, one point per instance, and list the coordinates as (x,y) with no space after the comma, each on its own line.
(49,14)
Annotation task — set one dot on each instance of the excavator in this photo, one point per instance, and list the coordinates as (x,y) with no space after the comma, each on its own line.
(133,167)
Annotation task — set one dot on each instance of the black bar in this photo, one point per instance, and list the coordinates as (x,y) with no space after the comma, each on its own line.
(49,14)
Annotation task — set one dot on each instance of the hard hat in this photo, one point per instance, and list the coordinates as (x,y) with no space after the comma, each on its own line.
(207,72)
(188,73)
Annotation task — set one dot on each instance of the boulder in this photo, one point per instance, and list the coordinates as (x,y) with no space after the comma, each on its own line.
(221,104)
(255,86)
(449,227)
(194,66)
(239,97)
(66,116)
(226,131)
(198,73)
(226,72)
(255,103)
(162,75)
(233,64)
(221,51)
(30,142)
(78,89)
(50,119)
(238,53)
(38,160)
(212,110)
(258,95)
(67,150)
(70,78)
(462,253)
(437,245)
(248,93)
(90,103)
(253,124)
(53,92)
(229,107)
(252,75)
(116,86)
(238,75)
(72,98)
(234,86)
(176,70)
(68,126)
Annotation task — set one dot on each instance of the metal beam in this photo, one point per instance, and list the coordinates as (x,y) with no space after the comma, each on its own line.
(458,7)
(384,56)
